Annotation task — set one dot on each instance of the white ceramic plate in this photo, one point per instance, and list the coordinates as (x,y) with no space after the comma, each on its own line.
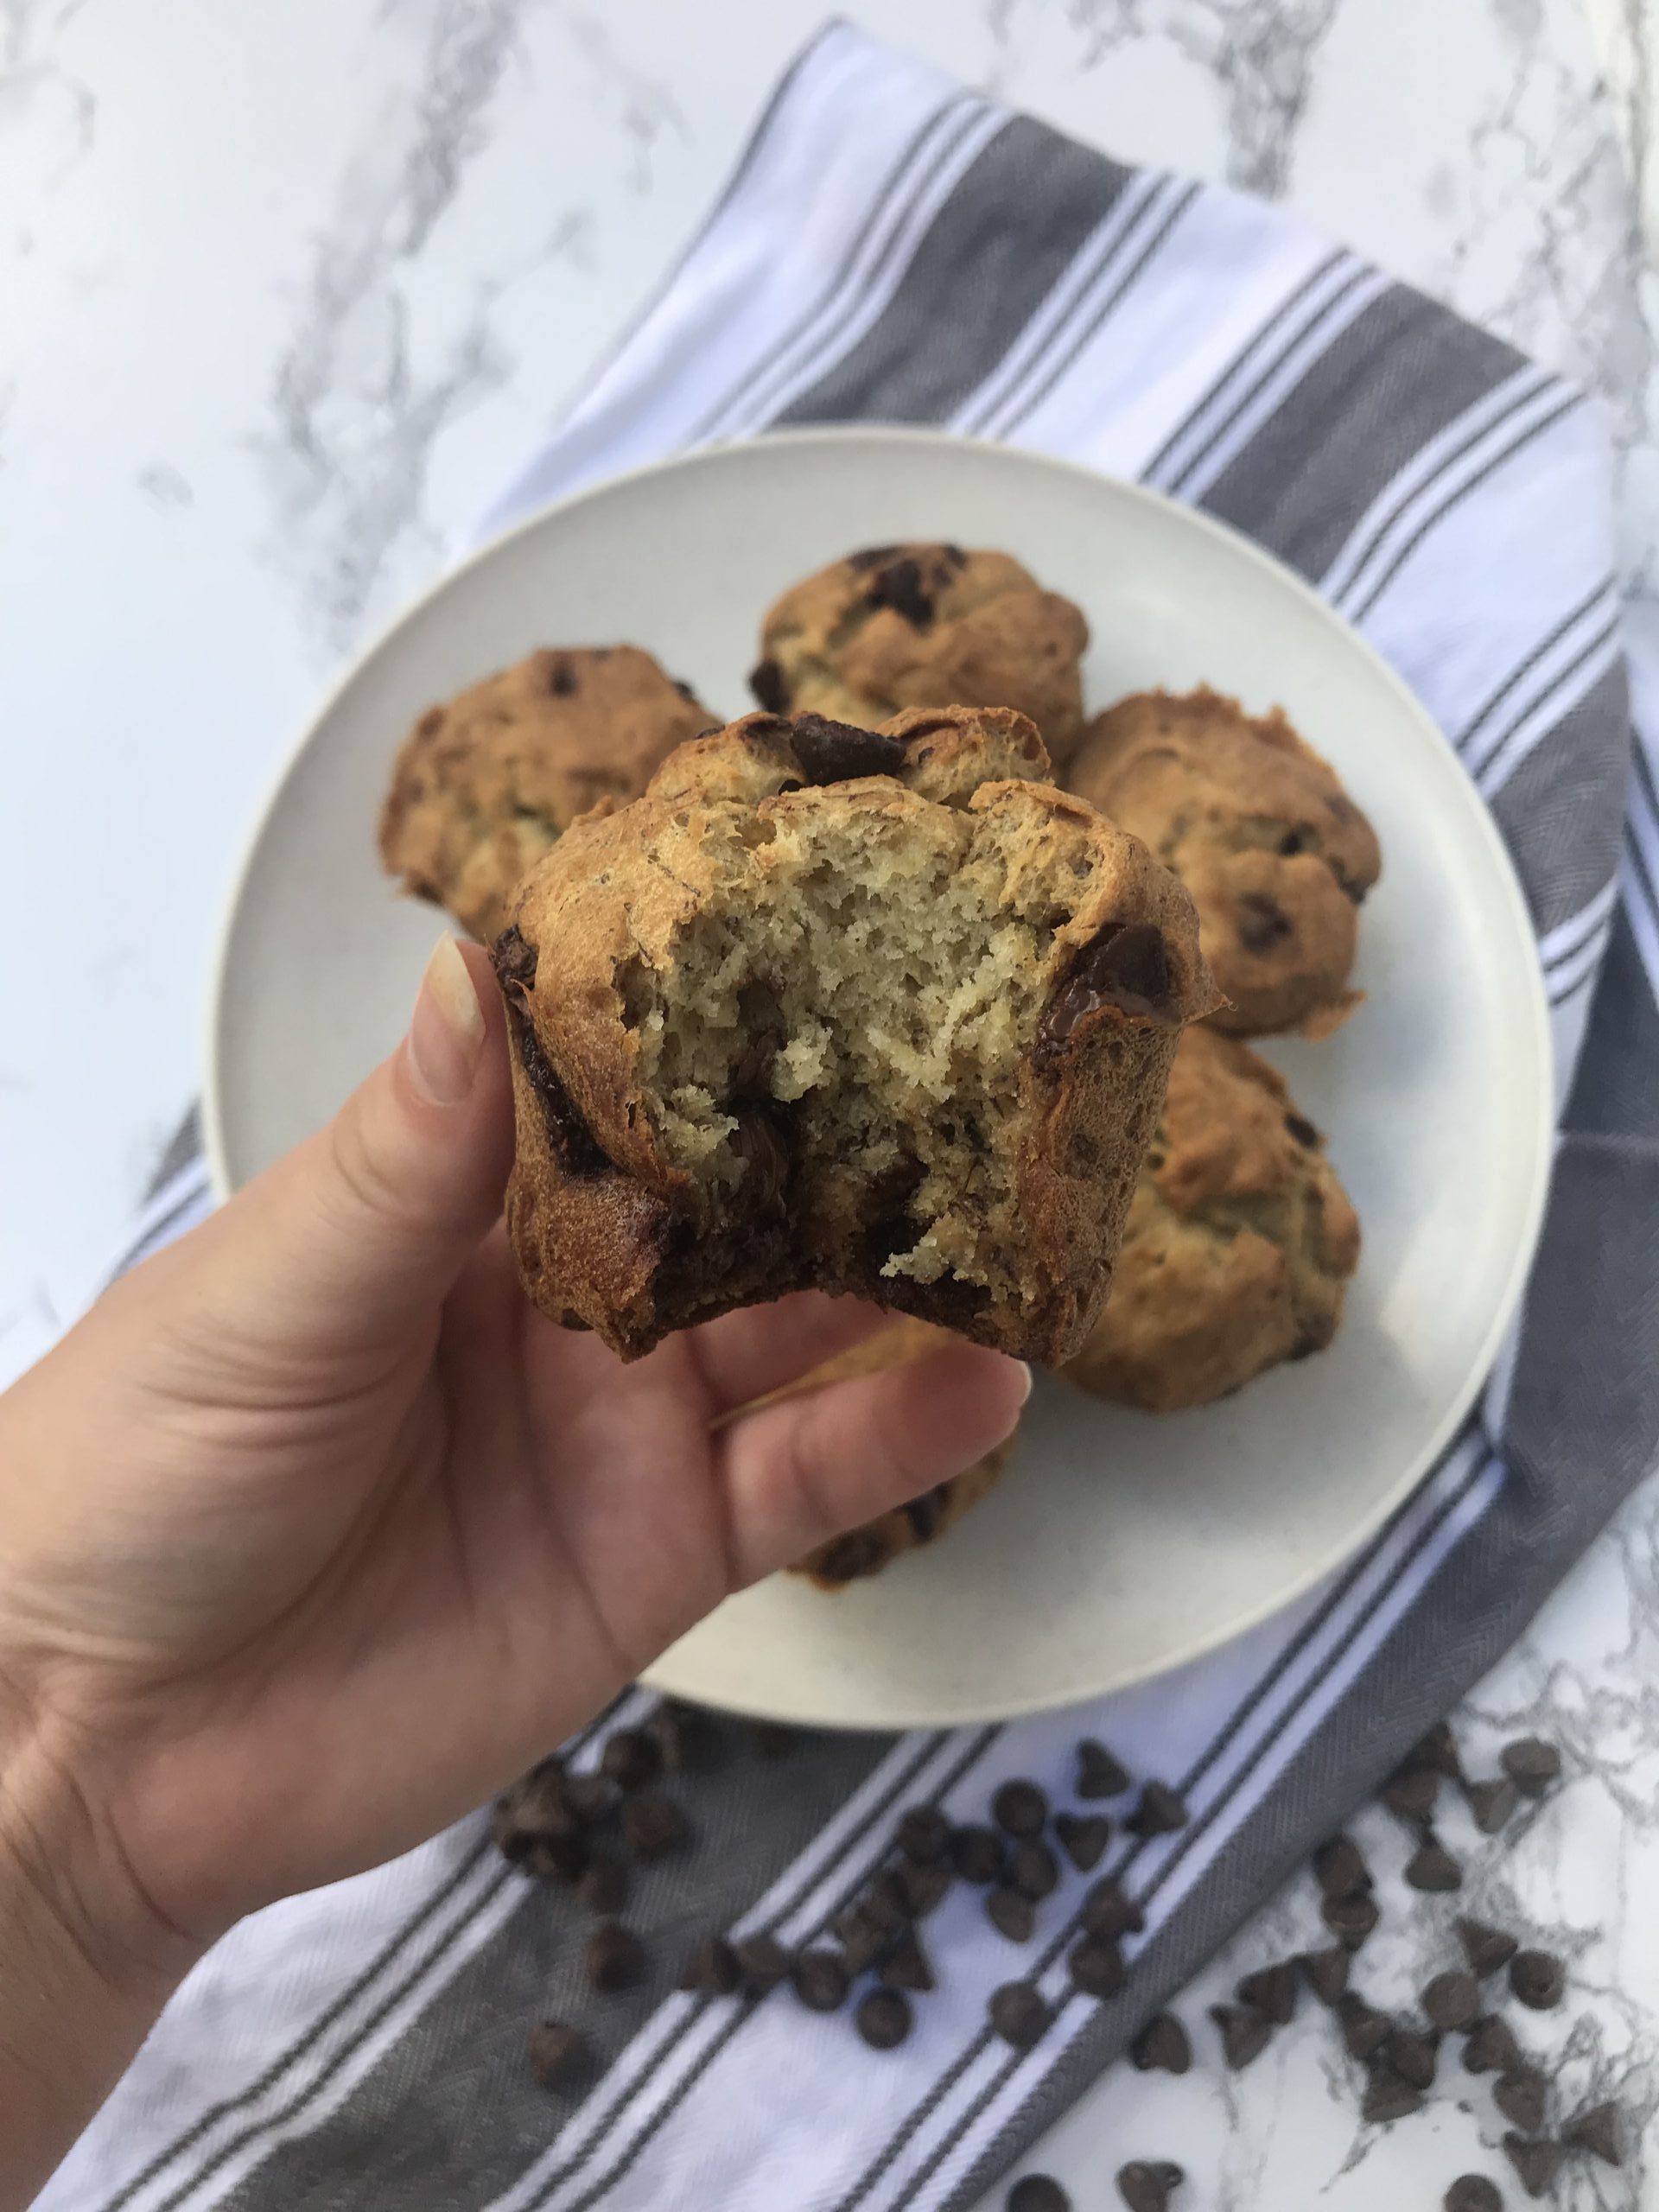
(1121,1543)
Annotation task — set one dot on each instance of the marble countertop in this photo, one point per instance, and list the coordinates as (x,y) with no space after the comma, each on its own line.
(287,292)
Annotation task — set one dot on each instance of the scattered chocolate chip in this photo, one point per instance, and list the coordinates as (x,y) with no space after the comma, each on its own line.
(862,1941)
(592,1798)
(1303,1131)
(603,1886)
(1486,1948)
(1432,1866)
(555,2053)
(1537,1979)
(1491,2048)
(1452,2002)
(1413,2056)
(1271,1991)
(1146,2184)
(769,686)
(883,2019)
(1036,2193)
(772,1740)
(1125,965)
(835,752)
(1350,1920)
(1095,1966)
(537,1809)
(1032,1871)
(1083,1838)
(712,1967)
(1531,1764)
(924,1835)
(1339,1868)
(1326,1971)
(1472,2193)
(683,1737)
(885,1903)
(632,1758)
(1012,1915)
(1019,2014)
(900,587)
(1163,2046)
(1599,2131)
(1520,2097)
(924,1888)
(1388,2098)
(1108,1909)
(764,1962)
(1491,1803)
(1409,1793)
(1436,1750)
(652,1827)
(1020,1809)
(820,1981)
(1245,2034)
(1262,922)
(905,1966)
(1536,2164)
(555,1858)
(1160,1811)
(1099,1775)
(614,1958)
(1365,2030)
(977,1854)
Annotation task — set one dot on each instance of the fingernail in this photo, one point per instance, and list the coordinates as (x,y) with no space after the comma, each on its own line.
(446,1032)
(1024,1367)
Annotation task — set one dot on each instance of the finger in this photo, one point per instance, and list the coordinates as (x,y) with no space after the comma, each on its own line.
(803,1469)
(760,1348)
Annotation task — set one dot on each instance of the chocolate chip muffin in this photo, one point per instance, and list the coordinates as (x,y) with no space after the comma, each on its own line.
(823,1008)
(925,626)
(483,786)
(1240,1241)
(1275,854)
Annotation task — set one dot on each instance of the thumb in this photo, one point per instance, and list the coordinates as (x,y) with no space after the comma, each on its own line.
(357,1236)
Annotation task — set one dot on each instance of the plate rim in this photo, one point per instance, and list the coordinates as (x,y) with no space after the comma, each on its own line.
(1537,1037)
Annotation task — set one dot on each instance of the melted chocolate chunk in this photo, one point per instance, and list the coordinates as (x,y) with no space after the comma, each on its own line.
(574,1144)
(900,587)
(925,1514)
(759,1142)
(834,753)
(1303,1131)
(769,686)
(1126,967)
(870,556)
(858,1553)
(514,959)
(561,677)
(1262,923)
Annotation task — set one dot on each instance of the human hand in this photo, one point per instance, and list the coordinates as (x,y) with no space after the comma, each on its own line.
(316,1533)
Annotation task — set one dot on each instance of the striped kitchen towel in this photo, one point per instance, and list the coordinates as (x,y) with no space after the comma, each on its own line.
(895,248)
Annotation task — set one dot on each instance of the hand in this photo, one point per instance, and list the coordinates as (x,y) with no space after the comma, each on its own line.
(316,1533)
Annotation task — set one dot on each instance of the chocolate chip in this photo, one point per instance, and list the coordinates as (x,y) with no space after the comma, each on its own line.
(604,1884)
(821,1981)
(1531,1764)
(683,1737)
(1437,1749)
(1486,1948)
(1245,2034)
(1036,2193)
(557,2052)
(1537,1979)
(905,1966)
(1365,2030)
(614,1958)
(1012,1915)
(1410,1793)
(1304,1132)
(1108,1909)
(769,686)
(1599,2131)
(1491,2048)
(1452,2002)
(862,1941)
(764,1962)
(977,1854)
(1083,1837)
(1145,2184)
(1472,2193)
(1325,1972)
(1162,2045)
(1271,1991)
(835,752)
(652,1827)
(1536,2164)
(900,587)
(885,1902)
(560,678)
(1491,1803)
(1432,1866)
(514,959)
(713,1967)
(536,1810)
(1160,1811)
(1020,1809)
(1388,2098)
(554,1859)
(1019,2014)
(924,1835)
(1262,922)
(592,1798)
(1099,1775)
(1095,1966)
(573,1143)
(1032,1871)
(632,1758)
(1339,1868)
(871,556)
(1350,1920)
(1411,2056)
(1126,966)
(924,1888)
(883,2019)
(1520,2097)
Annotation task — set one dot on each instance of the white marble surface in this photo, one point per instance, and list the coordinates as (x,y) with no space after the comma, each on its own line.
(287,290)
